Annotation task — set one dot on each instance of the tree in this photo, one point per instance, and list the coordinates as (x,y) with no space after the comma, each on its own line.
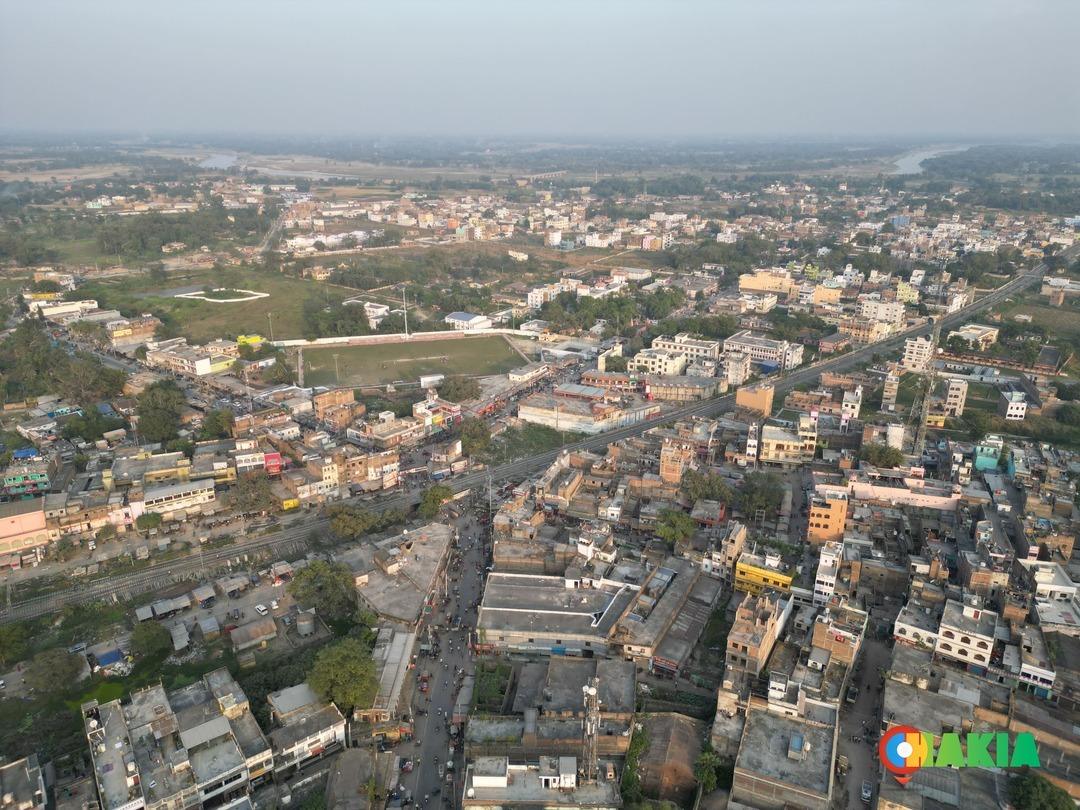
(329,587)
(344,674)
(615,363)
(53,667)
(762,492)
(150,640)
(432,499)
(253,493)
(705,768)
(217,425)
(1029,791)
(978,424)
(881,455)
(459,389)
(352,523)
(159,411)
(675,526)
(1068,414)
(475,436)
(13,643)
(147,521)
(698,486)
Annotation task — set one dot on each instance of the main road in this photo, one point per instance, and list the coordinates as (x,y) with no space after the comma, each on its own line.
(196,566)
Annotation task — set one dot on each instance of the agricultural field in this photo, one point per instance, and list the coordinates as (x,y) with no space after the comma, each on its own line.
(394,362)
(203,320)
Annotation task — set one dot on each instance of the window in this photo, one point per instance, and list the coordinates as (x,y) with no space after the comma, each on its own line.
(981,645)
(948,634)
(965,640)
(946,647)
(980,657)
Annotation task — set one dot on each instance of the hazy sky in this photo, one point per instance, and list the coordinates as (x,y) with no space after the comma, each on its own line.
(624,69)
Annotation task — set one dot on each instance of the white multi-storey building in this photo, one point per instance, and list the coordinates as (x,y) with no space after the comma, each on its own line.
(692,347)
(966,634)
(918,352)
(827,570)
(765,350)
(658,361)
(736,368)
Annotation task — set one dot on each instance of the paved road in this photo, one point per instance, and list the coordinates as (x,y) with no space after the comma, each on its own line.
(863,717)
(431,748)
(161,574)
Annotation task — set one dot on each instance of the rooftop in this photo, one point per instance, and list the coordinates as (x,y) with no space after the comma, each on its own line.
(520,785)
(967,619)
(766,741)
(516,602)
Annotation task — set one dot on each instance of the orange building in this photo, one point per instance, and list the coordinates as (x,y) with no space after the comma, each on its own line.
(827,516)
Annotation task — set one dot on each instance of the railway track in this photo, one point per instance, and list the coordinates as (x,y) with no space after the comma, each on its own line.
(160,575)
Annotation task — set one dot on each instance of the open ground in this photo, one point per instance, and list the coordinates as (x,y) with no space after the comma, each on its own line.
(200,321)
(406,362)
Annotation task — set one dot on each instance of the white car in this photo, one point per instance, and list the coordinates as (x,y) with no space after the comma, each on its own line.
(273,604)
(261,610)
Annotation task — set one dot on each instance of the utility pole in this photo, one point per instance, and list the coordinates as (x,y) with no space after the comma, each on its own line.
(337,372)
(405,312)
(270,317)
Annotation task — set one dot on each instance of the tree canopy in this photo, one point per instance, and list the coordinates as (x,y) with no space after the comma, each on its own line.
(159,408)
(252,493)
(31,364)
(761,491)
(459,389)
(52,667)
(1029,791)
(881,455)
(475,436)
(345,674)
(708,486)
(149,639)
(675,526)
(353,523)
(328,587)
(432,499)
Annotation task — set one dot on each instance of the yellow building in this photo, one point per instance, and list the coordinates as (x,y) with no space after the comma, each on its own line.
(825,295)
(755,573)
(757,398)
(767,281)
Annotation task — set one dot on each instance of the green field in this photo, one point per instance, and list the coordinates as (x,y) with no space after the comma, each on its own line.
(393,362)
(200,321)
(1059,322)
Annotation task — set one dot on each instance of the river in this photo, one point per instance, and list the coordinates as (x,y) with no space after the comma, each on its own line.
(911,163)
(218,162)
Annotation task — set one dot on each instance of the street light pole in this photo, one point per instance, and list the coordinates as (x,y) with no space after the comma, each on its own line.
(270,317)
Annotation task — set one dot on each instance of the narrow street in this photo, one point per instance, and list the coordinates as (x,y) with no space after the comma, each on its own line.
(433,711)
(863,720)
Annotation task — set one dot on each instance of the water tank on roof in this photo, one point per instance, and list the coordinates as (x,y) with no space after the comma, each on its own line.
(305,624)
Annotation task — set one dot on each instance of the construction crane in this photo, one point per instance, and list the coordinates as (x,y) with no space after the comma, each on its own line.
(922,413)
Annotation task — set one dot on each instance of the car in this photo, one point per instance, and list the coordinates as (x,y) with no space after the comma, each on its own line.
(852,694)
(273,604)
(261,610)
(3,684)
(866,792)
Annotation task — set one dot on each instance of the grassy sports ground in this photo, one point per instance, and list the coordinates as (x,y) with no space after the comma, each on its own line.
(393,362)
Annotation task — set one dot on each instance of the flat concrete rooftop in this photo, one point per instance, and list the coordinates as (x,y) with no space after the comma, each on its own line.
(764,751)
